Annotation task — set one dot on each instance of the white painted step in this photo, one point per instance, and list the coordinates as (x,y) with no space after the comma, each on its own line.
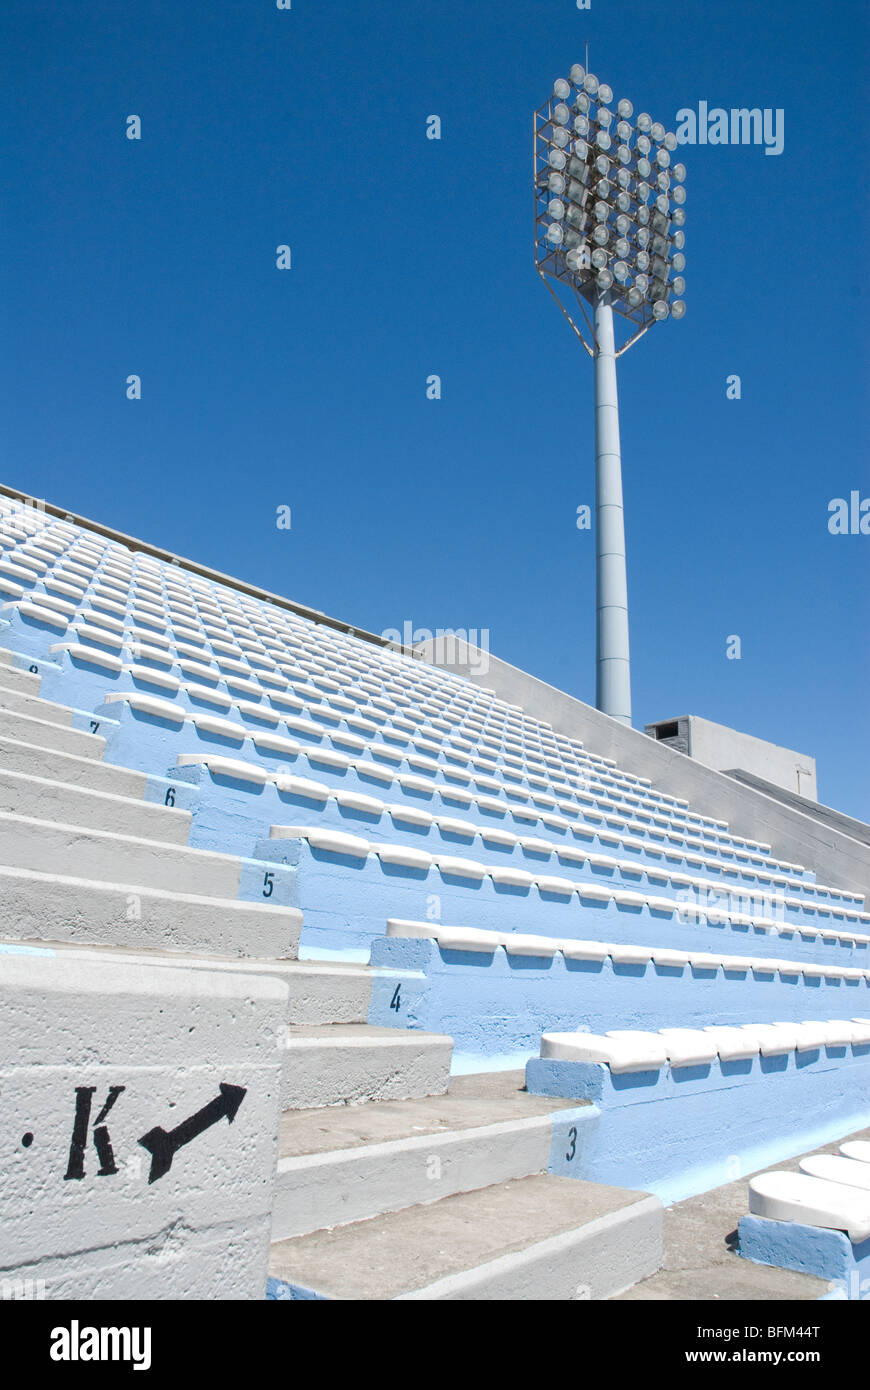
(14,678)
(47,799)
(318,991)
(180,1045)
(542,1238)
(23,702)
(340,1064)
(349,1163)
(327,992)
(29,843)
(57,908)
(29,730)
(71,768)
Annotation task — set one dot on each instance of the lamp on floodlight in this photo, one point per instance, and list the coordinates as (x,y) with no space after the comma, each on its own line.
(609,218)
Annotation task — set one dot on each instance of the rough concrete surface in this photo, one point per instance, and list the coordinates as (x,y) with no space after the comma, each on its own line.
(483,1099)
(700,1263)
(412,1249)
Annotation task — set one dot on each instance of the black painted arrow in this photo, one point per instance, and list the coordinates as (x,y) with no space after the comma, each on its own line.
(163,1144)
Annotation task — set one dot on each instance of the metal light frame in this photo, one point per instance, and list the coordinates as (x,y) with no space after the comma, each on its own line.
(609,220)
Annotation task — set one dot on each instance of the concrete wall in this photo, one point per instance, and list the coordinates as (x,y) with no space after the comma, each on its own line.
(95,1058)
(857,829)
(717,746)
(683,1130)
(837,858)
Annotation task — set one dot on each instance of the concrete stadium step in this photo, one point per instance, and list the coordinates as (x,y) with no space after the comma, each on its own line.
(29,843)
(319,992)
(541,1238)
(55,909)
(47,799)
(327,992)
(350,1163)
(23,702)
(14,678)
(346,1063)
(27,729)
(71,768)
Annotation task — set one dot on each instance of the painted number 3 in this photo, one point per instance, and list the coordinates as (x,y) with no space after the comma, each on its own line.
(572,1143)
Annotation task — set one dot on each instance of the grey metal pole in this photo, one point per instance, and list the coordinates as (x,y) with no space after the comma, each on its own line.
(613,672)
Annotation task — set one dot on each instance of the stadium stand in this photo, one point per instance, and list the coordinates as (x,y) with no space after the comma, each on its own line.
(199,781)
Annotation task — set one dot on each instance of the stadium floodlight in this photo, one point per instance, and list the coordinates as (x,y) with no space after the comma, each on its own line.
(612,239)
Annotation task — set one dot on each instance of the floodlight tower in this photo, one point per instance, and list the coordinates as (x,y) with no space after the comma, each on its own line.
(609,220)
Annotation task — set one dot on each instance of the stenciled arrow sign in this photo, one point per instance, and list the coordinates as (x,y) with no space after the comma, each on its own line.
(163,1144)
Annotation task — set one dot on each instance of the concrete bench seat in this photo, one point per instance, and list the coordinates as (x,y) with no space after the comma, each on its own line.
(252,687)
(524,897)
(643,1050)
(34,612)
(812,1201)
(153,612)
(568,847)
(677,1111)
(461,978)
(549,946)
(858,1149)
(838,1169)
(317,734)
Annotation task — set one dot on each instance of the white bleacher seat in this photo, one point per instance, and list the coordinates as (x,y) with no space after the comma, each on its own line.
(31,609)
(732,1043)
(839,1169)
(238,768)
(774,1040)
(640,1052)
(306,787)
(146,704)
(858,1149)
(811,1201)
(688,1047)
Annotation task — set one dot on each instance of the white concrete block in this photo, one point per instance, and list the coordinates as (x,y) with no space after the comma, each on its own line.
(139,1115)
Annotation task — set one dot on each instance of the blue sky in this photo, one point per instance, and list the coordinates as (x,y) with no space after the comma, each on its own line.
(411,257)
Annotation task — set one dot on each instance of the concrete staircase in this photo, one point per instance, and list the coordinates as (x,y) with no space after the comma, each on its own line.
(85,861)
(393,1181)
(539,1237)
(448,1198)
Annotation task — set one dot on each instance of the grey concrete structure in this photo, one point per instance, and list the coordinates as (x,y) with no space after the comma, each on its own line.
(354,1163)
(339,1064)
(856,829)
(44,797)
(37,905)
(136,1051)
(537,1238)
(717,746)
